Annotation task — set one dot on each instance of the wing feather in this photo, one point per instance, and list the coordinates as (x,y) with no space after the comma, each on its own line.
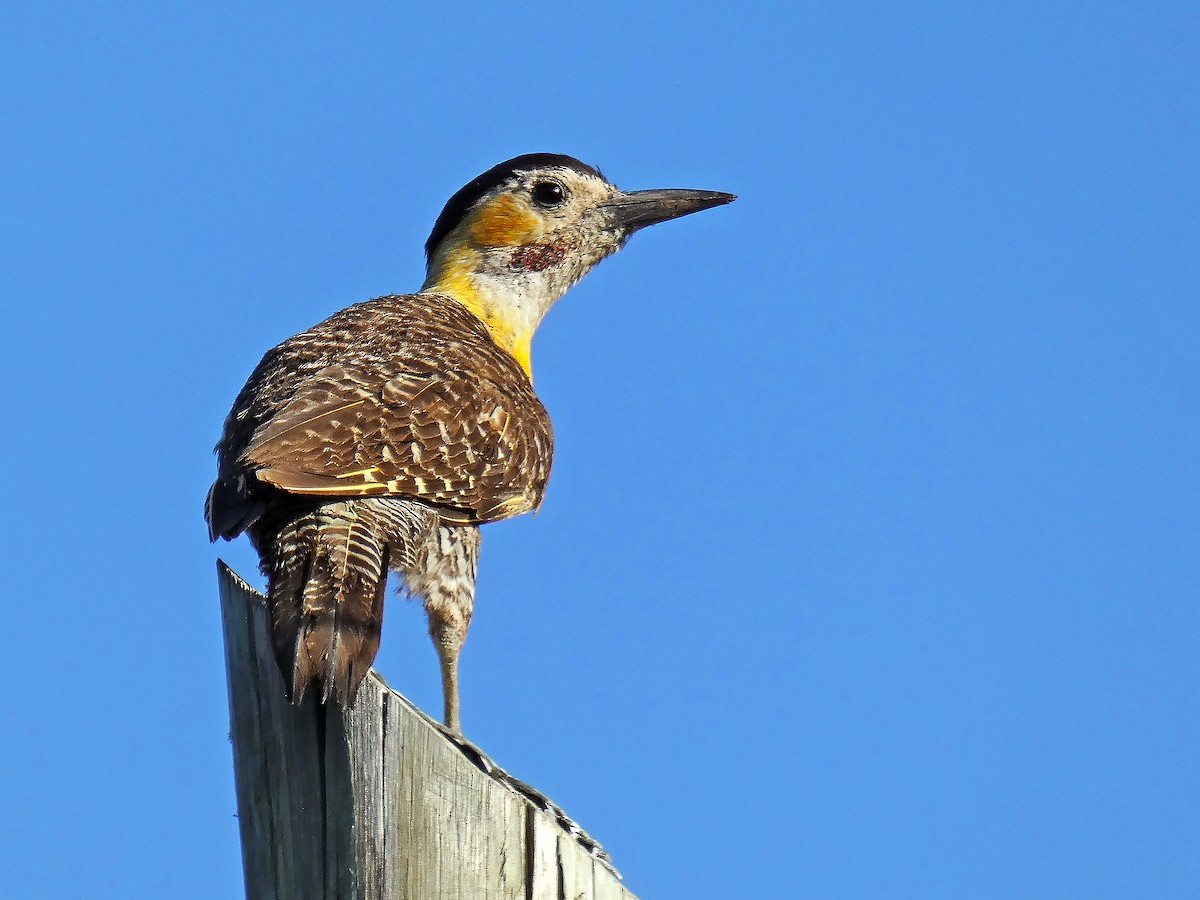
(443,416)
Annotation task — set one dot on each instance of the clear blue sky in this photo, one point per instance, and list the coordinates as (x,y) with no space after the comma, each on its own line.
(869,563)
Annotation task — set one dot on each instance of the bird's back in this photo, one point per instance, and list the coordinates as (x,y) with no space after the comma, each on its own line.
(402,396)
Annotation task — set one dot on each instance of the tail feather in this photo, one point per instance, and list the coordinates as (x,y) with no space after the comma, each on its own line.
(328,581)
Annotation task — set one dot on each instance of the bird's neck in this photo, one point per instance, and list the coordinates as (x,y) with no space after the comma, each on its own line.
(511,306)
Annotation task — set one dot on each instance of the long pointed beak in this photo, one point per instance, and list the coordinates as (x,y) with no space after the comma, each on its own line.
(636,209)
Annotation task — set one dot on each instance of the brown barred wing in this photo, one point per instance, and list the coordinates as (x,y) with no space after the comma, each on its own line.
(479,449)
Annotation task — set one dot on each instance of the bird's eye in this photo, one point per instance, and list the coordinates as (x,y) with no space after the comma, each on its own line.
(548,193)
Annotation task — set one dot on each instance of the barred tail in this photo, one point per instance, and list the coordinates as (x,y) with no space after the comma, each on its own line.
(327,581)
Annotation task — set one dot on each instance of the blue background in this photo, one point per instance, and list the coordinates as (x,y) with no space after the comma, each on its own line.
(869,564)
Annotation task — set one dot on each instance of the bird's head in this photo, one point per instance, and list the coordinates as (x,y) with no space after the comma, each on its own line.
(513,240)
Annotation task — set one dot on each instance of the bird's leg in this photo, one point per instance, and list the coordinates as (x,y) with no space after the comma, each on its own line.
(448,639)
(443,575)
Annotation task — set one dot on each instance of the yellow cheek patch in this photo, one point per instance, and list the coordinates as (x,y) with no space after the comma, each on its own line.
(503,223)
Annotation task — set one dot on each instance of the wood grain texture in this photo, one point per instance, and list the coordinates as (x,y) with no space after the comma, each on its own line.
(377,802)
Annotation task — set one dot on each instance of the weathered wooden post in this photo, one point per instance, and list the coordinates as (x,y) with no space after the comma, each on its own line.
(381,803)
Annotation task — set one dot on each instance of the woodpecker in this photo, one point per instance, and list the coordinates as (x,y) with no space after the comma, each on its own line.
(382,438)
